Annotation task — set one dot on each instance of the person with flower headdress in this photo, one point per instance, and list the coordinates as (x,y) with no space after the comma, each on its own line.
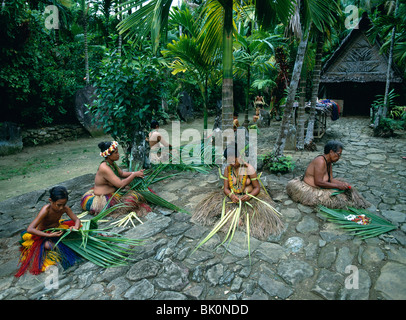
(111,185)
(241,189)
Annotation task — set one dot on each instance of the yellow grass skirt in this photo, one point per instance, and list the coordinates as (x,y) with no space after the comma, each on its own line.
(263,220)
(300,191)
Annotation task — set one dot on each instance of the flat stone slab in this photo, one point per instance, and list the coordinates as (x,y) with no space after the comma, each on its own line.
(391,282)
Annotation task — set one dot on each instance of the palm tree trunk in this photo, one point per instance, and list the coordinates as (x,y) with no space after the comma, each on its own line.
(86,45)
(315,92)
(120,37)
(247,89)
(227,89)
(301,114)
(205,101)
(382,111)
(247,97)
(287,113)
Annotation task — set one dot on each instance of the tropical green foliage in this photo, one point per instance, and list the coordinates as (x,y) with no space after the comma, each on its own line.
(35,86)
(395,119)
(186,55)
(41,69)
(142,186)
(129,95)
(277,164)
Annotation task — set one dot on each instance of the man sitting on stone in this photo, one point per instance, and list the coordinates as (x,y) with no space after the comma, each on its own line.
(318,187)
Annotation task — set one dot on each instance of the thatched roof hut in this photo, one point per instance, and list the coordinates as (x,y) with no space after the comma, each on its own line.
(356,72)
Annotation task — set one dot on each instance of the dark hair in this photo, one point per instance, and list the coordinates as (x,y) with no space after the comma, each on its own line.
(58,193)
(333,145)
(104,145)
(232,150)
(154,124)
(235,114)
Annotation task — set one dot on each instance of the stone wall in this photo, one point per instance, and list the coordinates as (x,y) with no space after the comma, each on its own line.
(32,137)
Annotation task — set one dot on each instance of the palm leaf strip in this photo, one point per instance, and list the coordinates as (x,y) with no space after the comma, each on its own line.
(376,227)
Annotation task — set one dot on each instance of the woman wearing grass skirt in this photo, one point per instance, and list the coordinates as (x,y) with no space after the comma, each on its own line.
(111,185)
(318,187)
(240,201)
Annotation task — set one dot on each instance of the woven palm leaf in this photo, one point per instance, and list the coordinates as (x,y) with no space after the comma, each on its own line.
(375,227)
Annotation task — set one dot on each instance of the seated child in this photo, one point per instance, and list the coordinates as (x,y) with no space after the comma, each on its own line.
(38,249)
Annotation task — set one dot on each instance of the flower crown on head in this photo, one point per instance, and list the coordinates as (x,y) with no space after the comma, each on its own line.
(110,150)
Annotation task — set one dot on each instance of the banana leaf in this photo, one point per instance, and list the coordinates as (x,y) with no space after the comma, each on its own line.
(375,227)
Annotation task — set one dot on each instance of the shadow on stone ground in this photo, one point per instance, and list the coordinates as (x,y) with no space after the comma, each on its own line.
(312,259)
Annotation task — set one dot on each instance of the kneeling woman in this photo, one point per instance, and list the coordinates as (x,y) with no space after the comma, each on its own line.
(243,190)
(111,185)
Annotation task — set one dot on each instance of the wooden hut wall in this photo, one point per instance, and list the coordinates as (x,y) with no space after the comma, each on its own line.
(356,72)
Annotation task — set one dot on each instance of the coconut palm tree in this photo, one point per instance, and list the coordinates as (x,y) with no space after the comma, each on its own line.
(383,109)
(188,55)
(317,14)
(308,65)
(83,9)
(315,91)
(254,50)
(150,20)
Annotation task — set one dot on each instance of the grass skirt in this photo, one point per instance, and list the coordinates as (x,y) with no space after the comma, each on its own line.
(300,191)
(35,258)
(262,220)
(133,200)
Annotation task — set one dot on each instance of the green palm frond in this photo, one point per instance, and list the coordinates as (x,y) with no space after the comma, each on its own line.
(212,31)
(375,227)
(153,175)
(149,18)
(270,12)
(103,248)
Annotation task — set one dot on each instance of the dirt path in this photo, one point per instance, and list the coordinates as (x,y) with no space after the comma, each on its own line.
(42,166)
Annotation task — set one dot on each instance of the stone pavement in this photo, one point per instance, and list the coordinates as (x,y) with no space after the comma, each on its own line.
(312,259)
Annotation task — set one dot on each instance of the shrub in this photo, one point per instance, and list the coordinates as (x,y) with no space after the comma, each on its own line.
(276,164)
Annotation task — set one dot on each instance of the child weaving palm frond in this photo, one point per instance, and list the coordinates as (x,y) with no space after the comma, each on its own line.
(50,240)
(37,251)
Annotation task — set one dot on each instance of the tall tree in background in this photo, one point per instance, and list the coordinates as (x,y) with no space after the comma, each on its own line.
(151,20)
(84,9)
(383,109)
(315,92)
(313,13)
(188,55)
